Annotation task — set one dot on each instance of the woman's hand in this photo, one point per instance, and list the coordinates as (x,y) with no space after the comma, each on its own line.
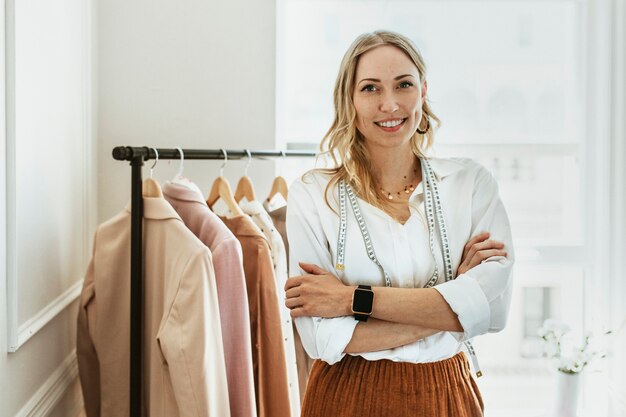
(319,293)
(477,250)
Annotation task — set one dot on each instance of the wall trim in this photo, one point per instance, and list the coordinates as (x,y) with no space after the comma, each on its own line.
(9,100)
(46,314)
(19,333)
(49,394)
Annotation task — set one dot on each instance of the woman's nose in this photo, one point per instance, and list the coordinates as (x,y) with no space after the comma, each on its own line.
(389,104)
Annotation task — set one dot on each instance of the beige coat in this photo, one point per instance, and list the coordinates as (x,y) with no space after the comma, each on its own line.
(183,359)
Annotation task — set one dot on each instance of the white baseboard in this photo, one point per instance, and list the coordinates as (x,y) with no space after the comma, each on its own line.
(49,394)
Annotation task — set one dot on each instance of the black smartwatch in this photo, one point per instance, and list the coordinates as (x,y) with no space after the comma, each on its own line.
(362,302)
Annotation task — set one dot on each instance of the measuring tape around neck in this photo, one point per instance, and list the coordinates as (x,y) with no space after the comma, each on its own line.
(433,210)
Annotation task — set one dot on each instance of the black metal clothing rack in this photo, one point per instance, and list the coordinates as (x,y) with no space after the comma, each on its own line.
(137,156)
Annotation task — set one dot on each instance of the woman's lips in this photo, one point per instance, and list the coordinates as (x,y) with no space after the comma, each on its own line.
(392,128)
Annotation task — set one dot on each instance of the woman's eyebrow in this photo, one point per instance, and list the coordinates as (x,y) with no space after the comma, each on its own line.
(376,80)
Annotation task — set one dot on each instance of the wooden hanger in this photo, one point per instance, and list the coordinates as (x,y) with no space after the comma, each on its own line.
(278,186)
(244,186)
(151,189)
(244,189)
(221,189)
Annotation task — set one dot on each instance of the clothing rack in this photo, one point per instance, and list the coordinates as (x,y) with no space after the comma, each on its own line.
(137,156)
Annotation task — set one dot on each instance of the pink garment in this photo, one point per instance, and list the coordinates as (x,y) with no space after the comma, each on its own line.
(231,289)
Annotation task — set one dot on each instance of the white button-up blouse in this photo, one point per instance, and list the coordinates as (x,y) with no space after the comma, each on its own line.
(471,205)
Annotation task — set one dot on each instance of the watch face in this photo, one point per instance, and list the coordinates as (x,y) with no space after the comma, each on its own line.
(363,300)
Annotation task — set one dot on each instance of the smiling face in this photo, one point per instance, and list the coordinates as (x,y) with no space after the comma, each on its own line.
(387,97)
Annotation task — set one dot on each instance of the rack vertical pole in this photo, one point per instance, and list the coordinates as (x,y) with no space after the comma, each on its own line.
(136,290)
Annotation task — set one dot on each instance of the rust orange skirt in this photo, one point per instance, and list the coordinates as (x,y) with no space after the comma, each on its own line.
(356,387)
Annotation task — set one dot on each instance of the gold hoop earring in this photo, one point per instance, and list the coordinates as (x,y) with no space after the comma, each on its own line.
(421,132)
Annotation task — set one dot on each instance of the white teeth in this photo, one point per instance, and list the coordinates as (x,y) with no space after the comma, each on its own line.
(392,123)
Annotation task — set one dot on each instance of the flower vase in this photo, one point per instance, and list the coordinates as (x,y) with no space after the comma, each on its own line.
(568,391)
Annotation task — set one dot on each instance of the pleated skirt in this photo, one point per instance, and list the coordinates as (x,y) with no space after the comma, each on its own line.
(356,387)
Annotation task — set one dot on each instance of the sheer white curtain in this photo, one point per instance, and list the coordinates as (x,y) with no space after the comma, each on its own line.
(606,191)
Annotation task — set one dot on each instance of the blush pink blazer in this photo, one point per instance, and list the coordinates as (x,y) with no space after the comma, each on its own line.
(231,290)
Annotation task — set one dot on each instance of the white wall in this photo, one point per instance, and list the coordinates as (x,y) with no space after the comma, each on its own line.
(190,73)
(49,200)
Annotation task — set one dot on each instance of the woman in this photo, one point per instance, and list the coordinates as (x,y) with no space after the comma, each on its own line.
(410,231)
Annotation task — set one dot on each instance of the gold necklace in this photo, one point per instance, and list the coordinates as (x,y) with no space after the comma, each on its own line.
(408,189)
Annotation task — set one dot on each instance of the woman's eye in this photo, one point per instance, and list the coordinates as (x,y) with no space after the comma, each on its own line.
(406,84)
(369,88)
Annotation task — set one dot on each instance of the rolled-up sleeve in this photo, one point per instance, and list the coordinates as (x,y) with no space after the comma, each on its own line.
(322,338)
(481,297)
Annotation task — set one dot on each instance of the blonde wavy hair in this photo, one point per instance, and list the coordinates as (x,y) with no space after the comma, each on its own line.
(345,144)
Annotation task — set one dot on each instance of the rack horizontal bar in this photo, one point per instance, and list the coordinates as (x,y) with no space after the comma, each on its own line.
(127,153)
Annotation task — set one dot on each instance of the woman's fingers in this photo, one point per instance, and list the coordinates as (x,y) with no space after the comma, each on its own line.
(311,268)
(487,244)
(294,282)
(298,280)
(476,239)
(486,254)
(293,292)
(482,255)
(478,249)
(292,303)
(478,246)
(297,312)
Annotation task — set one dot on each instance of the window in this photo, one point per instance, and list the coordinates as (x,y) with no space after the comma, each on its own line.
(537,307)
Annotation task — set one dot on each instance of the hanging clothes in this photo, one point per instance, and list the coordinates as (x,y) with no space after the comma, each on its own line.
(231,289)
(268,352)
(183,371)
(262,219)
(303,361)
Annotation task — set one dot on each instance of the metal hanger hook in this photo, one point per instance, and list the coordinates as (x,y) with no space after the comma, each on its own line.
(155,161)
(282,163)
(225,161)
(182,162)
(245,172)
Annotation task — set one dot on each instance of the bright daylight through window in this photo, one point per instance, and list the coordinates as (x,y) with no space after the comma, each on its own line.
(506,86)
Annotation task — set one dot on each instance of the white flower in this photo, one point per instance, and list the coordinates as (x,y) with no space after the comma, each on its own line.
(566,363)
(553,328)
(577,367)
(584,356)
(570,357)
(551,348)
